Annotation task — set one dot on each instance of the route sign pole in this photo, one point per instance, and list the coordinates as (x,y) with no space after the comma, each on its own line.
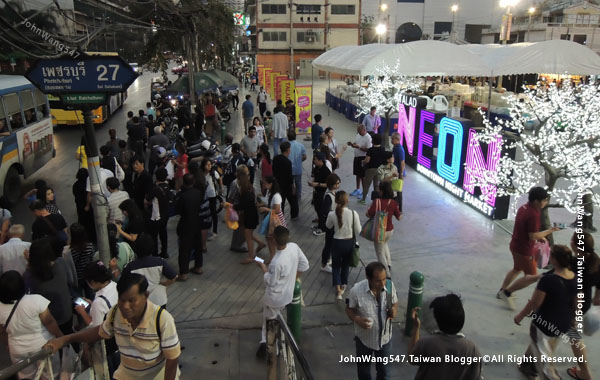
(98,201)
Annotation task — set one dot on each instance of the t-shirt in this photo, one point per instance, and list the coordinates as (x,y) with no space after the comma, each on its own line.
(82,258)
(320,176)
(388,205)
(56,290)
(362,142)
(399,156)
(26,332)
(438,346)
(250,145)
(276,200)
(260,134)
(377,157)
(262,97)
(527,221)
(12,255)
(104,175)
(248,109)
(40,228)
(297,151)
(556,312)
(211,192)
(153,268)
(316,133)
(181,171)
(281,276)
(82,156)
(266,168)
(100,306)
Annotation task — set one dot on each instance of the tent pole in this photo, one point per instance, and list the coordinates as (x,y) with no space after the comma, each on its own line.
(359,88)
(329,78)
(489,109)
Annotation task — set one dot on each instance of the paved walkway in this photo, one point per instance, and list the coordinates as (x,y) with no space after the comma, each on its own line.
(457,249)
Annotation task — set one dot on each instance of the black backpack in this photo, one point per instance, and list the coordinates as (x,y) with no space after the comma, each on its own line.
(170,194)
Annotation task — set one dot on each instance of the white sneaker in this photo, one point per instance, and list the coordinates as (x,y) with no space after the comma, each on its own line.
(339,296)
(318,232)
(510,301)
(326,268)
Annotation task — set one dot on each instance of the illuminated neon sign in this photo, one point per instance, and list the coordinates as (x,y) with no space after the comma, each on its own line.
(445,150)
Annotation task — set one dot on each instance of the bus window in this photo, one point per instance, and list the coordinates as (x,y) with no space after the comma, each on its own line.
(13,111)
(3,124)
(28,107)
(41,108)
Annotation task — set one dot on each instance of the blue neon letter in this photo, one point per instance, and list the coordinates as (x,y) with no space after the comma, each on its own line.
(450,127)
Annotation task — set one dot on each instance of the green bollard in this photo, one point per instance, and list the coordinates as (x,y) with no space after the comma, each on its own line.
(294,312)
(415,298)
(223,132)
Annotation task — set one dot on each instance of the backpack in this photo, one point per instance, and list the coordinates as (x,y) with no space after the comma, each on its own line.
(229,176)
(170,194)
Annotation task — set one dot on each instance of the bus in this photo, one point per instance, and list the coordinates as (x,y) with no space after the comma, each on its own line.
(26,133)
(61,116)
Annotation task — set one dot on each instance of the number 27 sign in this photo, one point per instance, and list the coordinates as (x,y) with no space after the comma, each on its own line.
(87,74)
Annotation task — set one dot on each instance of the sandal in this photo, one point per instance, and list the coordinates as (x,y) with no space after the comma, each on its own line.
(573,373)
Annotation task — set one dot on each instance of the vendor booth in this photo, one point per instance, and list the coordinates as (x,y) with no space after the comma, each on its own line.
(438,125)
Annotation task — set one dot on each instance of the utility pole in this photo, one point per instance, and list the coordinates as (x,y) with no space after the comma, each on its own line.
(98,200)
(292,65)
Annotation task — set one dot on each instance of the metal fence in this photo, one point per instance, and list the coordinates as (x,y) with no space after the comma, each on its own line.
(285,360)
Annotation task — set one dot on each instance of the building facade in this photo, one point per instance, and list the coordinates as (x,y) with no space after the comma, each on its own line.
(309,28)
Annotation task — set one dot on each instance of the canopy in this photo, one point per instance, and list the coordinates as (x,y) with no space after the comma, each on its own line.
(438,58)
(205,81)
(417,58)
(229,82)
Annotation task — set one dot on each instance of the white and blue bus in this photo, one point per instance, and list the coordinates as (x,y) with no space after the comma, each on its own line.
(26,133)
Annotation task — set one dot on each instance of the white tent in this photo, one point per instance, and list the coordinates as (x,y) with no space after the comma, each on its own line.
(418,58)
(437,58)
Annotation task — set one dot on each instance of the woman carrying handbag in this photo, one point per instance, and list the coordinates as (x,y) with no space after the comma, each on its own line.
(389,206)
(346,225)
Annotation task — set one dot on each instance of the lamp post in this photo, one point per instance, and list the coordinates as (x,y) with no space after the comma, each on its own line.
(292,64)
(531,11)
(383,7)
(454,9)
(380,30)
(506,27)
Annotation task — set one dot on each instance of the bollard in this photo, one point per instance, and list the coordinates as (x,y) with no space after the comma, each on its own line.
(294,312)
(415,298)
(223,130)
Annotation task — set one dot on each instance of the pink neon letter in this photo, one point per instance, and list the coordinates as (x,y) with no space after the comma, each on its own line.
(406,127)
(424,138)
(476,167)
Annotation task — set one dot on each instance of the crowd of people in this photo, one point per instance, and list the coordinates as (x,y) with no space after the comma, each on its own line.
(56,286)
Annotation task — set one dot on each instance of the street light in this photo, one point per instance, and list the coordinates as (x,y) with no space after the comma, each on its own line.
(506,24)
(384,7)
(531,11)
(380,30)
(454,9)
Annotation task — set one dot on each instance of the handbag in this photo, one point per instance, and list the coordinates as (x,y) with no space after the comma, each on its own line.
(397,184)
(231,224)
(4,334)
(264,225)
(542,255)
(374,228)
(355,258)
(119,173)
(275,221)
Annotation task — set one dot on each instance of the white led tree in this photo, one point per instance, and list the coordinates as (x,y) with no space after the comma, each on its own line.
(384,91)
(556,134)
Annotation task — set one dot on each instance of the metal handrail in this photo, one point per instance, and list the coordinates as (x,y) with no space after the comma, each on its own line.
(295,349)
(23,363)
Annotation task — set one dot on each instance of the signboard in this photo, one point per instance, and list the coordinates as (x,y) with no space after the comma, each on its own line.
(88,74)
(35,146)
(272,83)
(303,103)
(444,150)
(287,90)
(278,80)
(239,18)
(267,81)
(83,98)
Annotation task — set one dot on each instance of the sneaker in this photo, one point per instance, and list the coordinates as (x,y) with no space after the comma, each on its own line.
(510,301)
(314,227)
(359,193)
(354,192)
(318,232)
(339,296)
(262,351)
(210,238)
(362,201)
(326,268)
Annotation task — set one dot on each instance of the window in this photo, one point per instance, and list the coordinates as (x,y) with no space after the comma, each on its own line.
(580,38)
(343,9)
(3,124)
(274,36)
(565,37)
(40,103)
(307,36)
(274,9)
(440,27)
(28,108)
(306,9)
(13,110)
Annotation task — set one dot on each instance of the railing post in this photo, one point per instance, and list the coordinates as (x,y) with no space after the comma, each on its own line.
(99,363)
(294,312)
(272,332)
(415,298)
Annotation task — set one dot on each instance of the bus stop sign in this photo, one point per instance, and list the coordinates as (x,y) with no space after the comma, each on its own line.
(85,75)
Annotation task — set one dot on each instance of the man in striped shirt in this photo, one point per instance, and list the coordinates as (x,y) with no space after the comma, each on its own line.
(115,198)
(145,334)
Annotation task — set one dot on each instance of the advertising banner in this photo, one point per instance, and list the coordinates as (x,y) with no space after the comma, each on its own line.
(267,80)
(35,145)
(272,83)
(261,74)
(287,90)
(303,103)
(278,80)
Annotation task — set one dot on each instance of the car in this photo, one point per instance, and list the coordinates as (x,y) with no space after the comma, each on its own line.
(137,68)
(179,69)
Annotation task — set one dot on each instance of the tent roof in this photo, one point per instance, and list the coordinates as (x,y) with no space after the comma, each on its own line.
(437,58)
(417,58)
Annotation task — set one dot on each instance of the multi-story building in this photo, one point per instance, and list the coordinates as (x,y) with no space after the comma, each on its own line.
(306,30)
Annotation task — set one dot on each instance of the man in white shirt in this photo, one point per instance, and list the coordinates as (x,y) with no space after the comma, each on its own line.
(261,99)
(280,279)
(115,199)
(372,121)
(362,143)
(280,127)
(13,252)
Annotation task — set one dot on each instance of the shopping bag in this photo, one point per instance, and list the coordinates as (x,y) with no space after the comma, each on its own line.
(367,229)
(274,222)
(230,215)
(397,184)
(542,253)
(264,225)
(374,228)
(591,321)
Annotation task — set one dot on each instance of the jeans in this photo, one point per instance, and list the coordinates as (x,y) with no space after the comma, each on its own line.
(276,143)
(158,228)
(187,242)
(382,251)
(298,183)
(364,369)
(341,252)
(326,252)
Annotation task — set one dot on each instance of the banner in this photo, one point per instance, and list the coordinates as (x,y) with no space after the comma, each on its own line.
(287,90)
(303,103)
(261,74)
(278,80)
(266,84)
(271,89)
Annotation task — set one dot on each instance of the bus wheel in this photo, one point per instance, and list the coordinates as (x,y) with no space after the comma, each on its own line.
(12,185)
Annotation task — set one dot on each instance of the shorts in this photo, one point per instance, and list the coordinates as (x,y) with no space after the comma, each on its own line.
(523,263)
(357,167)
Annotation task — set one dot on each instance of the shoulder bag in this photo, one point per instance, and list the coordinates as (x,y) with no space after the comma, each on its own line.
(4,334)
(355,259)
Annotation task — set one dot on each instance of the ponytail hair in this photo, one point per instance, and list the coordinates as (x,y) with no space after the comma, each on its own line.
(341,199)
